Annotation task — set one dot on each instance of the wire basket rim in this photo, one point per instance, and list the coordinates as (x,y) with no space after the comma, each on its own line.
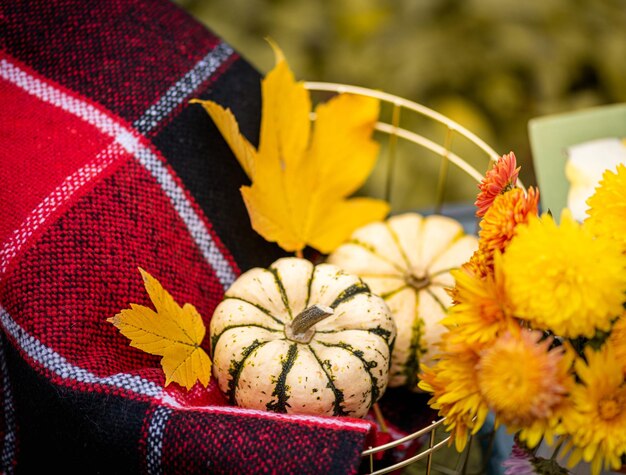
(408,104)
(445,153)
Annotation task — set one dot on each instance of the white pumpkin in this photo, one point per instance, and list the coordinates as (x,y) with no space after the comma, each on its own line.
(407,260)
(302,339)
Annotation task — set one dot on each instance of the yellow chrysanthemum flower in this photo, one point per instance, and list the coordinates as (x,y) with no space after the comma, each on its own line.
(562,278)
(542,430)
(482,310)
(607,213)
(524,381)
(452,381)
(596,423)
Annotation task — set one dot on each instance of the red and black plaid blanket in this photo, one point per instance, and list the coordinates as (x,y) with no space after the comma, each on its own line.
(104,167)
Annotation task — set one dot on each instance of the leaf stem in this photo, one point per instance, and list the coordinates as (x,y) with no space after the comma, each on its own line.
(536,448)
(557,449)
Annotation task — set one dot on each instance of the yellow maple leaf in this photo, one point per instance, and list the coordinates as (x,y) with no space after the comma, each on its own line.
(173,332)
(301,175)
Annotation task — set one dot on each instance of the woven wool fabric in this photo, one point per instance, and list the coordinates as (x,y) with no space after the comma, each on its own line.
(104,167)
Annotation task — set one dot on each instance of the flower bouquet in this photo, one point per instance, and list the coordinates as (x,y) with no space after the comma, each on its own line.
(537,332)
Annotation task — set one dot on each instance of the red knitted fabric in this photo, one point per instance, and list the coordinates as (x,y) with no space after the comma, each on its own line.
(105,167)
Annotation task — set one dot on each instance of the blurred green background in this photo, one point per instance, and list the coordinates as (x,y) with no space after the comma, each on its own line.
(490,65)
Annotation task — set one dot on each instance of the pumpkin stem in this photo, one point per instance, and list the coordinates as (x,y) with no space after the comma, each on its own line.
(301,328)
(418,283)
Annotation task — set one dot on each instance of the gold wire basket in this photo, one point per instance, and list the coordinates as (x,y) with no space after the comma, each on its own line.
(403,121)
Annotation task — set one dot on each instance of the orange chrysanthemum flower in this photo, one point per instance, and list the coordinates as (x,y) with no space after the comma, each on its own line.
(480,265)
(523,381)
(498,226)
(501,178)
(454,385)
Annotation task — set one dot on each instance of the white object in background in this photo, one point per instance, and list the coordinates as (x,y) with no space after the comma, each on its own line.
(585,165)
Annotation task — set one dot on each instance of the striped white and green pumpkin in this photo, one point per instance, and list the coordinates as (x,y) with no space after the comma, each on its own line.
(407,260)
(302,339)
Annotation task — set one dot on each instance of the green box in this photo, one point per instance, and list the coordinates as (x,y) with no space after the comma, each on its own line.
(550,136)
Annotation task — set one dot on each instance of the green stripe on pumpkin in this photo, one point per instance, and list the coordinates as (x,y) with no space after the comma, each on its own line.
(339,397)
(372,250)
(281,290)
(215,338)
(396,239)
(391,293)
(412,364)
(281,390)
(236,367)
(309,286)
(368,365)
(438,300)
(355,289)
(261,308)
(378,331)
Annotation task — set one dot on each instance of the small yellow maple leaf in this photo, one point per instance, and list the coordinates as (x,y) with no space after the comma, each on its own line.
(173,332)
(301,175)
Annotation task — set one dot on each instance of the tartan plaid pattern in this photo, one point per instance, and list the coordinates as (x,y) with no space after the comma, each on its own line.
(105,167)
